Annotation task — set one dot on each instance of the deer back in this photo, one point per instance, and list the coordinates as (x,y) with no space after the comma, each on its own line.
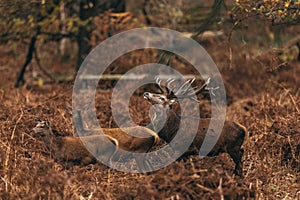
(144,140)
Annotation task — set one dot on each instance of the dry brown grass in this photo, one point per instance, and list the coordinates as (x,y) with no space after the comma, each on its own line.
(271,159)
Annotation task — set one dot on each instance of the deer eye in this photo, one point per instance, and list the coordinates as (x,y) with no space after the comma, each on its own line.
(161,98)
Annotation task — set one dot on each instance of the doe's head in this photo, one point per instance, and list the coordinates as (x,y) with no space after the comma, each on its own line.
(42,128)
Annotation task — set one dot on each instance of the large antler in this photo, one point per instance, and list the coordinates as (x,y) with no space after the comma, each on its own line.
(184,91)
(187,91)
(165,88)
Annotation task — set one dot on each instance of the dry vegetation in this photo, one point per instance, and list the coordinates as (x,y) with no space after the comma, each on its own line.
(266,103)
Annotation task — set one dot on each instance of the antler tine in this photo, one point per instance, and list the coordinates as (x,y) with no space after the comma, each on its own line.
(158,82)
(165,87)
(189,91)
(185,88)
(168,82)
(189,86)
(207,81)
(197,91)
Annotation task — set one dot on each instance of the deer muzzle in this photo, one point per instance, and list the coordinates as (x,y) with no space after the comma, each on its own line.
(147,95)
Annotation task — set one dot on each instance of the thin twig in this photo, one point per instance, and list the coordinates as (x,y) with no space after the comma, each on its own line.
(221,189)
(204,188)
(289,93)
(8,151)
(292,150)
(37,59)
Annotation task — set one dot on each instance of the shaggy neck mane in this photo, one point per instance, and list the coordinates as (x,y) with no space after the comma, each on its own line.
(172,124)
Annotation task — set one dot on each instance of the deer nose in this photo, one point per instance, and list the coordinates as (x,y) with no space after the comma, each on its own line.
(146,95)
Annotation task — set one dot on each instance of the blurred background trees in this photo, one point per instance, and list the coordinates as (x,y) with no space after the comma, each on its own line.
(69,29)
(52,20)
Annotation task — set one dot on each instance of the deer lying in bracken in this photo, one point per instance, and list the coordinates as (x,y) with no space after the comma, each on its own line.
(144,141)
(72,149)
(232,135)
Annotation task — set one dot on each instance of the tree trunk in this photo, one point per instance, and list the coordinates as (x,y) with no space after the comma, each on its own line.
(83,37)
(64,43)
(31,48)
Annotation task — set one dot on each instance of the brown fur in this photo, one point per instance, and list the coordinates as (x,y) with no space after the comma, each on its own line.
(230,140)
(145,139)
(130,143)
(72,148)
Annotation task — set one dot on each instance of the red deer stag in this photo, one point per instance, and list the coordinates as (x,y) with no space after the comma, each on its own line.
(230,139)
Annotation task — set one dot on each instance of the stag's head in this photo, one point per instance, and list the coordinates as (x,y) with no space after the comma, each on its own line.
(170,95)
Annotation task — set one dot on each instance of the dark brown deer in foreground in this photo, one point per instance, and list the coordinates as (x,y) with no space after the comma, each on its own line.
(232,135)
(72,149)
